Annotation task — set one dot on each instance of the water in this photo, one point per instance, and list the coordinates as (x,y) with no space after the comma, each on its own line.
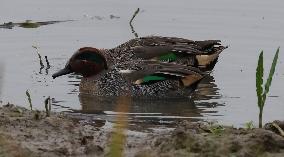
(228,96)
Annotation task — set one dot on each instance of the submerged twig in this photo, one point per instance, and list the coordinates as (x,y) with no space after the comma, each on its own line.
(47,103)
(39,56)
(47,65)
(29,99)
(47,62)
(131,20)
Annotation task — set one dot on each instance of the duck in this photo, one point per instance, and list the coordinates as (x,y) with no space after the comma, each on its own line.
(139,78)
(202,54)
(146,66)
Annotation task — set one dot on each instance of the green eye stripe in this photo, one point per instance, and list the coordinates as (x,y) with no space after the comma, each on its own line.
(91,57)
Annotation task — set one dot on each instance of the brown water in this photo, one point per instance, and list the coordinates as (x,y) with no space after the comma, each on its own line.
(247,26)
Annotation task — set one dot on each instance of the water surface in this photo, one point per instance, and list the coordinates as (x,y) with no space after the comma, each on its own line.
(247,26)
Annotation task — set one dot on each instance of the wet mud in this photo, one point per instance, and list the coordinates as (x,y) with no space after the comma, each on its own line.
(31,133)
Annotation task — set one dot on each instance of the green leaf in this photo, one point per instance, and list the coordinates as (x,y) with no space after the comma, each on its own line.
(259,79)
(168,57)
(271,73)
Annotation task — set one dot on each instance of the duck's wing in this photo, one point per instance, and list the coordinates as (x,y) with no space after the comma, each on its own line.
(172,44)
(172,49)
(149,72)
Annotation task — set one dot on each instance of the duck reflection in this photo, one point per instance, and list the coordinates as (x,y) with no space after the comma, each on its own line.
(158,110)
(207,94)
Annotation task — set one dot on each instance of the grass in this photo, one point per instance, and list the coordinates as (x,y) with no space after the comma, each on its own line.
(216,129)
(249,125)
(261,88)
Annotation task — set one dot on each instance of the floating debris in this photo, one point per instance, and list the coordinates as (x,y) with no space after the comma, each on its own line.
(113,17)
(29,24)
(98,17)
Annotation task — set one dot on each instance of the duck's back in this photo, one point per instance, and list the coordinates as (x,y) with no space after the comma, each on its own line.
(169,49)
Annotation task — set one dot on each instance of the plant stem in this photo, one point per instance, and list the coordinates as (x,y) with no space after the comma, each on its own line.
(260,117)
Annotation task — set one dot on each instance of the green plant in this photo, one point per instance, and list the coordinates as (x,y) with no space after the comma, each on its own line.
(249,125)
(262,93)
(29,99)
(216,129)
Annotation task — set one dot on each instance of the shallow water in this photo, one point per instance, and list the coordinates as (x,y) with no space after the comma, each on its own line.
(227,96)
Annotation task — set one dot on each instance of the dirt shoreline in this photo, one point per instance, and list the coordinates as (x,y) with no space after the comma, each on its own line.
(31,133)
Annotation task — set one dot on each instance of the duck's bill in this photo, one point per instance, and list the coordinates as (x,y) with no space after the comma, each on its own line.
(61,72)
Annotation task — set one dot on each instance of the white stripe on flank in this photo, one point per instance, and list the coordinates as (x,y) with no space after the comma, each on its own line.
(126,71)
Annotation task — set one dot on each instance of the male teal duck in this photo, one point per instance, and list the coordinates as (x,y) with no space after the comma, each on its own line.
(201,54)
(152,79)
(147,66)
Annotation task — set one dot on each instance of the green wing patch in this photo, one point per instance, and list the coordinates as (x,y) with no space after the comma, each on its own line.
(168,57)
(150,79)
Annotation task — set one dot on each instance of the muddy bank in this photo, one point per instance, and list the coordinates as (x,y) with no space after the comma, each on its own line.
(196,139)
(31,133)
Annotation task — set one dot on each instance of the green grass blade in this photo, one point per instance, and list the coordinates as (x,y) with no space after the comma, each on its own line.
(259,79)
(271,73)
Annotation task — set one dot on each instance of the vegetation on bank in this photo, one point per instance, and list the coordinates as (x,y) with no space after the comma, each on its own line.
(262,93)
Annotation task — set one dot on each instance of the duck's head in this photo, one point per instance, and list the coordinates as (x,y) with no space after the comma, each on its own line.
(86,61)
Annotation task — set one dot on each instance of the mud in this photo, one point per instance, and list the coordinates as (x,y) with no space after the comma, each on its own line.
(31,133)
